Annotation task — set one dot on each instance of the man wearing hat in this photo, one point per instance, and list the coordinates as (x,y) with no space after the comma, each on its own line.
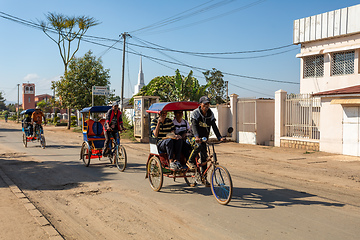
(113,124)
(202,119)
(36,119)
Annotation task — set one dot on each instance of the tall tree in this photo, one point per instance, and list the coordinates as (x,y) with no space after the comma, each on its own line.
(75,87)
(68,30)
(2,102)
(217,88)
(45,106)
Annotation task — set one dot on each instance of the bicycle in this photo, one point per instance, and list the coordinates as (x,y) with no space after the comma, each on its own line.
(220,178)
(117,155)
(39,134)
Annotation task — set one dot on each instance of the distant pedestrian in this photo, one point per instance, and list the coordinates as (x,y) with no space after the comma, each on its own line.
(6,116)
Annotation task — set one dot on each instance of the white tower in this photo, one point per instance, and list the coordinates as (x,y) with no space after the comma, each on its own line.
(140,83)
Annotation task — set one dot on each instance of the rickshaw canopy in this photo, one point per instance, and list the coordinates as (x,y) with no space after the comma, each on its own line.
(172,106)
(27,111)
(95,109)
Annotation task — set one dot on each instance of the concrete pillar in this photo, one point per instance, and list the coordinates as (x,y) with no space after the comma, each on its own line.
(233,110)
(280,97)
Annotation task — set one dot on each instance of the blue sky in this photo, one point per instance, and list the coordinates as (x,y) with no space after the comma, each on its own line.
(28,55)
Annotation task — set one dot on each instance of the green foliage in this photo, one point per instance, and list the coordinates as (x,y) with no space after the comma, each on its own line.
(56,120)
(75,88)
(175,88)
(73,121)
(13,117)
(2,101)
(45,106)
(217,88)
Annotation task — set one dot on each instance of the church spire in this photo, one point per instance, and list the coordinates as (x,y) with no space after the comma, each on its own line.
(141,82)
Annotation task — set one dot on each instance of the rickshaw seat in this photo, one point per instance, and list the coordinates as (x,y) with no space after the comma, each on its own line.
(95,130)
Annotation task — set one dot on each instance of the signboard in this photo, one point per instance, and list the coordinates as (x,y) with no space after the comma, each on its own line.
(101,90)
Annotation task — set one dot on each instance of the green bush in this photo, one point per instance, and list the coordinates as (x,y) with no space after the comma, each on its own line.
(56,120)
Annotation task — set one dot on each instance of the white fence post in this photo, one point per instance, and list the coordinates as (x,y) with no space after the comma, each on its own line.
(233,110)
(280,98)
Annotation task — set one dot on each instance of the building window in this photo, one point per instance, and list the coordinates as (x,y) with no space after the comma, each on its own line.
(343,63)
(29,100)
(314,66)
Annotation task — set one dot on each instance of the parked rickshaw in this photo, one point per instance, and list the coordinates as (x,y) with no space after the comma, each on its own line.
(31,133)
(157,165)
(93,134)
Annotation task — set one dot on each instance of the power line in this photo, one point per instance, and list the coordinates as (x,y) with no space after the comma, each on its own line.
(211,18)
(186,65)
(37,26)
(178,17)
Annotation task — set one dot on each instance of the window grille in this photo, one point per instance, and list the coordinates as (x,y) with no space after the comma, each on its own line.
(314,66)
(343,63)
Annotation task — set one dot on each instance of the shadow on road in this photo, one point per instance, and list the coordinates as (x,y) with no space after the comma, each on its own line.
(52,175)
(256,198)
(10,130)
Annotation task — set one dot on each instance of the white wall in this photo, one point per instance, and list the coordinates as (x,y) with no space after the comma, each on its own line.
(330,127)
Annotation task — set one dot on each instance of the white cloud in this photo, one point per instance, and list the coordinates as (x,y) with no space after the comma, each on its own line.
(31,77)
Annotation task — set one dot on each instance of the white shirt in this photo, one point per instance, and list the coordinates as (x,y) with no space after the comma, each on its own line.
(182,126)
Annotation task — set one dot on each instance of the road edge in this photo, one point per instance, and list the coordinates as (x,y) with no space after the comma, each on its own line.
(31,208)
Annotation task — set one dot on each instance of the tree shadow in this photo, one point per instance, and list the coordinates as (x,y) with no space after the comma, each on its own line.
(52,175)
(10,130)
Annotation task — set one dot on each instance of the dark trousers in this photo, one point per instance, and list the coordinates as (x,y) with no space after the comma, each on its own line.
(171,147)
(108,135)
(199,148)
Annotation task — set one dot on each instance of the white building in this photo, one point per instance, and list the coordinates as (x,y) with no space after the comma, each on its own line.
(330,50)
(141,82)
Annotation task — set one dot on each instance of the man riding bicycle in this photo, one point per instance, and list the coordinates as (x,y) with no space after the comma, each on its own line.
(202,119)
(36,119)
(113,124)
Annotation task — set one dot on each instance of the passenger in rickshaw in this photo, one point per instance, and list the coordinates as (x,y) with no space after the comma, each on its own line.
(37,117)
(163,129)
(27,124)
(113,124)
(202,119)
(182,127)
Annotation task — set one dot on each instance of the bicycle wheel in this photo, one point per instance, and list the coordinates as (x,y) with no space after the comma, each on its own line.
(85,154)
(221,185)
(121,158)
(24,140)
(155,173)
(42,141)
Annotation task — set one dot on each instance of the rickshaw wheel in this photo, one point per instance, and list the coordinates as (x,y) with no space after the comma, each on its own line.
(24,140)
(121,158)
(155,173)
(86,154)
(190,181)
(42,141)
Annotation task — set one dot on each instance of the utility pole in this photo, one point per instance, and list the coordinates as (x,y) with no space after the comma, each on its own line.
(54,105)
(124,35)
(18,107)
(227,92)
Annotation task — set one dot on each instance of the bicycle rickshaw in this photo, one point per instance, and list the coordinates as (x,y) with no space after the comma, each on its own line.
(157,165)
(94,138)
(31,133)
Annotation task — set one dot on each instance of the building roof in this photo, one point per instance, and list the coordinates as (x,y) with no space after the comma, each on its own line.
(43,95)
(341,91)
(327,25)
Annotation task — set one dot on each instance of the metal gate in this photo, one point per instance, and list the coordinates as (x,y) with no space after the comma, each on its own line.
(302,116)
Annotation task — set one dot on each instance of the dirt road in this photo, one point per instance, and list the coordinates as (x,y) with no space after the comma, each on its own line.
(278,193)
